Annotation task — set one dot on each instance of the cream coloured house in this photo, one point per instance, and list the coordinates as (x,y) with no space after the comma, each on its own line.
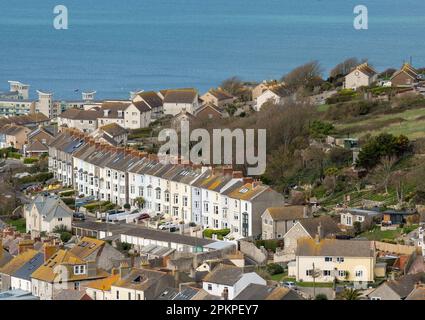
(361,76)
(329,259)
(177,100)
(274,95)
(137,115)
(44,214)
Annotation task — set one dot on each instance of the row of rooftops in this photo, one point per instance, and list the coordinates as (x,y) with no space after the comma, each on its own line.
(129,160)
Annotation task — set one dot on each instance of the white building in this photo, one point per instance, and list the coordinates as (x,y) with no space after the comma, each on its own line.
(275,95)
(361,76)
(44,214)
(178,100)
(228,281)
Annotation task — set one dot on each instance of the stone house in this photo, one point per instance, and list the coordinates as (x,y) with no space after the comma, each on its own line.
(276,221)
(361,76)
(321,227)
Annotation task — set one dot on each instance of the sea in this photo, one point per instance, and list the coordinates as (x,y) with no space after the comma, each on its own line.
(118,46)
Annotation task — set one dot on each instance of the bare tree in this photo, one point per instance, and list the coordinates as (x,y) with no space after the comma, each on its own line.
(234,86)
(384,171)
(345,67)
(306,76)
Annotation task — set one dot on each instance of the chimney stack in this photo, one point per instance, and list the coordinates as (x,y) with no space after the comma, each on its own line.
(237,174)
(248,180)
(25,245)
(49,250)
(124,270)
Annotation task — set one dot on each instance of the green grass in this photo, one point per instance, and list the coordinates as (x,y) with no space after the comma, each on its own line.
(377,234)
(278,277)
(412,127)
(323,107)
(19,224)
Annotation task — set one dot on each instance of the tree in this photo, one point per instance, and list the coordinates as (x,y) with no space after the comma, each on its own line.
(140,202)
(306,76)
(234,86)
(319,129)
(383,145)
(357,227)
(384,171)
(321,296)
(350,294)
(345,67)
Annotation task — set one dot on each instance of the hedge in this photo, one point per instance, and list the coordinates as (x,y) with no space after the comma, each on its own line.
(100,205)
(220,233)
(41,177)
(14,155)
(67,193)
(30,160)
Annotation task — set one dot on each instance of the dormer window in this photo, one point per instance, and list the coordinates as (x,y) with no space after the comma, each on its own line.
(80,269)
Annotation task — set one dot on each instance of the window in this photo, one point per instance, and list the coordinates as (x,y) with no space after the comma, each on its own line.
(340,259)
(209,287)
(175,211)
(326,273)
(206,206)
(59,219)
(341,273)
(129,296)
(184,201)
(328,259)
(359,273)
(158,207)
(80,269)
(309,273)
(76,286)
(215,209)
(118,295)
(167,196)
(158,194)
(176,199)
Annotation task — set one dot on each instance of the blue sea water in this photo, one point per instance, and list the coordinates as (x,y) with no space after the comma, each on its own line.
(114,46)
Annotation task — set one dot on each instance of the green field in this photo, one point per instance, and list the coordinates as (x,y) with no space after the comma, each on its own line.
(19,224)
(410,123)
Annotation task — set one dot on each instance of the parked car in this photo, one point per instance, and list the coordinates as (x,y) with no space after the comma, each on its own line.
(79,216)
(290,285)
(143,216)
(168,226)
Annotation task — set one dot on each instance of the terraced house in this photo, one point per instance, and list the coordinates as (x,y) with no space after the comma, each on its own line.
(216,198)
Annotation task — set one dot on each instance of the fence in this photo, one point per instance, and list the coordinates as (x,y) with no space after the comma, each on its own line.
(394,248)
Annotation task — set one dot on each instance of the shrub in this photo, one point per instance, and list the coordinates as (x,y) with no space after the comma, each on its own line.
(321,296)
(66,236)
(30,160)
(14,155)
(274,268)
(41,177)
(67,193)
(127,206)
(220,233)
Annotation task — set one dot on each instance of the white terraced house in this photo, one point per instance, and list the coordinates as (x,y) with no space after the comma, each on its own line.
(212,198)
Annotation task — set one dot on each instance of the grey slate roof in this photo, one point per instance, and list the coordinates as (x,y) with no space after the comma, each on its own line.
(329,227)
(405,284)
(51,207)
(28,268)
(225,275)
